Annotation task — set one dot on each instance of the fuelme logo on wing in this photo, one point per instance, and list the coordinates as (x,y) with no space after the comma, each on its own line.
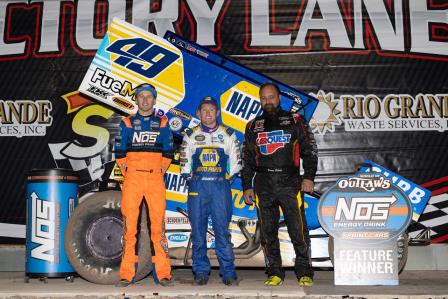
(269,142)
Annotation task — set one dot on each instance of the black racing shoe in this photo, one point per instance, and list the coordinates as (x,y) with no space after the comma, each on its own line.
(200,280)
(230,281)
(123,283)
(166,282)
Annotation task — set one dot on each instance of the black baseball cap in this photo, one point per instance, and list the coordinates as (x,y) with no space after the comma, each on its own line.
(208,100)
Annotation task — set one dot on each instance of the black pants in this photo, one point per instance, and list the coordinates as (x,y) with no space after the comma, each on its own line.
(275,191)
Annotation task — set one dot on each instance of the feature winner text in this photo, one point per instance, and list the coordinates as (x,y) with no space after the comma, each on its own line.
(365,261)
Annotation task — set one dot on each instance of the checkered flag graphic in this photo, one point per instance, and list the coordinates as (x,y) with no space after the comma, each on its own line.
(89,169)
(435,215)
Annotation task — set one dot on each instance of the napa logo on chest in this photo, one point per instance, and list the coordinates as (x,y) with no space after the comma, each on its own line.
(239,104)
(270,142)
(209,157)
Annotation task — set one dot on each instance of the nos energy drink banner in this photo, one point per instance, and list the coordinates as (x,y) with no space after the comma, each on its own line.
(365,213)
(51,197)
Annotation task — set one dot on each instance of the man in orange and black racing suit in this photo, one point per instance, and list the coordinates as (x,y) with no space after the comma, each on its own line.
(144,149)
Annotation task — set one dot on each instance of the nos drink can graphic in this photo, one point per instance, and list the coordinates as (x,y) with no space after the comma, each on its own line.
(51,196)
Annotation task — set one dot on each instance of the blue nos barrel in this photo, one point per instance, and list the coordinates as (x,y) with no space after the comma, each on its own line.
(51,197)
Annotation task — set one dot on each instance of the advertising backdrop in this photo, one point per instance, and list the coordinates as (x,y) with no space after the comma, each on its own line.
(378,69)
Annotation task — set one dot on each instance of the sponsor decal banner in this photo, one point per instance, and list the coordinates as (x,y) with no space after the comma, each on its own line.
(25,118)
(178,238)
(176,185)
(368,202)
(45,233)
(380,86)
(373,113)
(128,57)
(209,157)
(270,142)
(418,196)
(235,85)
(175,124)
(365,213)
(49,205)
(240,104)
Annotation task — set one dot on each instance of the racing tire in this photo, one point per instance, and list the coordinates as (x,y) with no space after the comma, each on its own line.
(403,243)
(402,248)
(93,239)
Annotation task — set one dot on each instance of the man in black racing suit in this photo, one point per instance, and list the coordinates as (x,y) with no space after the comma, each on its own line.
(273,146)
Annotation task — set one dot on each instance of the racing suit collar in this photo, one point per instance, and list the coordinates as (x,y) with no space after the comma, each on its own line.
(206,129)
(138,115)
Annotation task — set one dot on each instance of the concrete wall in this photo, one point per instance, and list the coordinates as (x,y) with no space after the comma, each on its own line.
(432,257)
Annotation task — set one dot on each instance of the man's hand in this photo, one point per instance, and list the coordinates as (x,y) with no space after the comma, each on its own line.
(307,186)
(249,196)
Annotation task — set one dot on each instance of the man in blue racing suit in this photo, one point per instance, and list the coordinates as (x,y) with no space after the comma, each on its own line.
(210,158)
